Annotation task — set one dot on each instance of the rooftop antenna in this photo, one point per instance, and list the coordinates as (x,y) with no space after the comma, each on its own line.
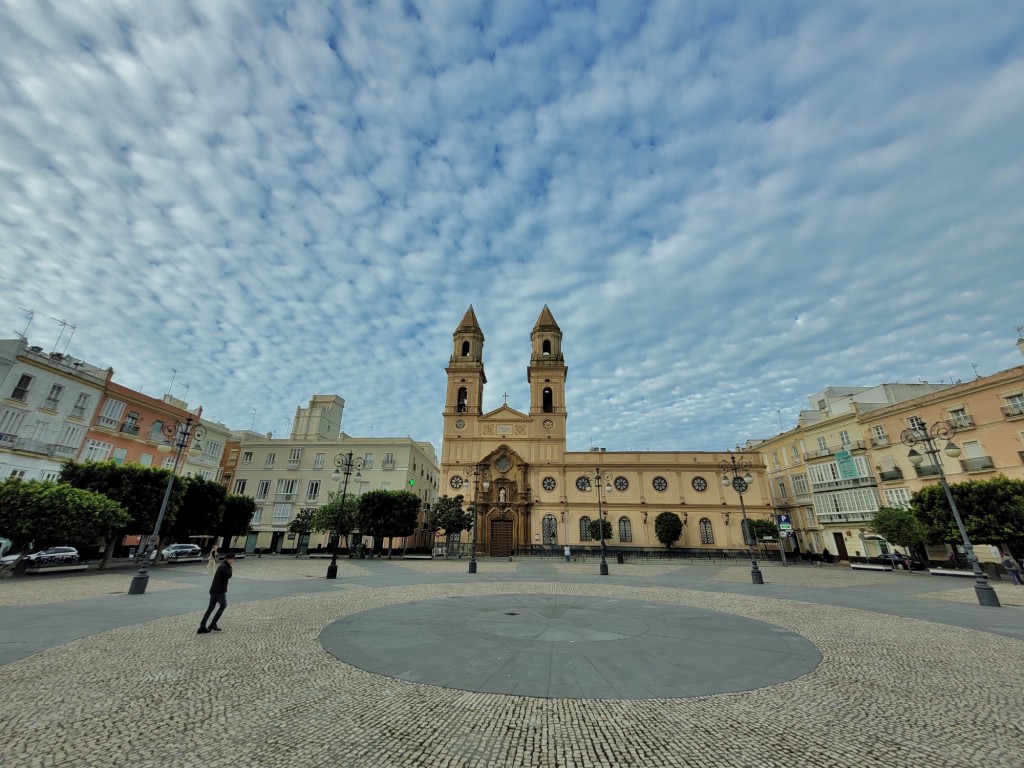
(1020,331)
(252,425)
(185,398)
(173,376)
(31,313)
(371,427)
(63,327)
(778,412)
(975,367)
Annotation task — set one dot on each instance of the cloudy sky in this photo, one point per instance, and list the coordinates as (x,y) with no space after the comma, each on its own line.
(726,206)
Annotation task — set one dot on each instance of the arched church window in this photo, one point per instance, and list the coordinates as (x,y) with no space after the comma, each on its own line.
(462,399)
(465,349)
(545,348)
(585,529)
(549,527)
(625,529)
(707,536)
(548,405)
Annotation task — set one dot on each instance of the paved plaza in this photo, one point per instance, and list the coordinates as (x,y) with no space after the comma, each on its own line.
(526,663)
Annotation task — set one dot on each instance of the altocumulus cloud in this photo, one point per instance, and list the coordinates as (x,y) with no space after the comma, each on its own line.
(726,206)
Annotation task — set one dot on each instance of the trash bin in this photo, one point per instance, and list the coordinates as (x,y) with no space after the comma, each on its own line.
(618,558)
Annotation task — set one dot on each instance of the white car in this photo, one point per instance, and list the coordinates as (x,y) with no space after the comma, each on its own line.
(178,551)
(48,556)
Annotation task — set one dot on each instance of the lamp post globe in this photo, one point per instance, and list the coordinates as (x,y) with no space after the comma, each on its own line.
(596,479)
(731,475)
(929,437)
(179,436)
(344,465)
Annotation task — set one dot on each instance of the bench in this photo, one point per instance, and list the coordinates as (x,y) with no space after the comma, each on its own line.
(870,567)
(950,572)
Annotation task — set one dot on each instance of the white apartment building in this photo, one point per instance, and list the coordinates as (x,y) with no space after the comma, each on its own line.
(48,403)
(284,476)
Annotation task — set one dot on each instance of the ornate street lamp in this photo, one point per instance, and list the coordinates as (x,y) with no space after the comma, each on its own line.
(179,436)
(741,484)
(344,464)
(926,436)
(594,480)
(480,475)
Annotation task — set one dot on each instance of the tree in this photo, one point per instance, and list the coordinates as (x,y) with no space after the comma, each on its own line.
(237,517)
(899,526)
(668,528)
(992,511)
(760,529)
(448,515)
(595,529)
(202,506)
(334,517)
(137,488)
(388,513)
(46,513)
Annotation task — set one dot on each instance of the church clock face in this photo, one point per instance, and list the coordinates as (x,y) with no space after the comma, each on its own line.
(548,483)
(548,424)
(456,482)
(460,423)
(699,484)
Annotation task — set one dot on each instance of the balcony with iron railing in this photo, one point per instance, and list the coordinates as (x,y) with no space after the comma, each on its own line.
(977,464)
(50,404)
(78,412)
(130,429)
(891,474)
(962,422)
(927,470)
(15,443)
(387,465)
(1012,410)
(879,442)
(106,422)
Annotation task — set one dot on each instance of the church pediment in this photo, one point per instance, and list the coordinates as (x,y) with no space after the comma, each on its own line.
(504,413)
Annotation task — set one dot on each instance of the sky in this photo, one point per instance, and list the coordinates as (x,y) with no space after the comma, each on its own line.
(726,206)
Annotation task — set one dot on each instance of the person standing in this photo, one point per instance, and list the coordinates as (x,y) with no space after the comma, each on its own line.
(567,552)
(211,561)
(218,595)
(1012,568)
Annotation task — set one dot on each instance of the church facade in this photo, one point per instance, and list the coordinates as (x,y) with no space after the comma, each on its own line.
(531,494)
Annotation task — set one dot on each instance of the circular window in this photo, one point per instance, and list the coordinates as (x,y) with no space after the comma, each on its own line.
(699,484)
(582,483)
(548,424)
(456,482)
(621,483)
(504,463)
(548,483)
(659,483)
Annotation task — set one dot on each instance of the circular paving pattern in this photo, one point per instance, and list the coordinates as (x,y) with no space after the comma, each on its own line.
(570,646)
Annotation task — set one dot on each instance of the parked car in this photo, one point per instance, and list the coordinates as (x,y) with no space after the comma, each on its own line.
(48,556)
(178,551)
(898,561)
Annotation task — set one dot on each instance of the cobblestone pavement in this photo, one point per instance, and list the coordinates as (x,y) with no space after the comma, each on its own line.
(889,691)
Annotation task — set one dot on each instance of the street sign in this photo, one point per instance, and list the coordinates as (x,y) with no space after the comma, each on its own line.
(783,522)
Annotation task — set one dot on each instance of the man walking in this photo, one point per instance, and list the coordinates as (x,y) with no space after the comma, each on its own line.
(567,553)
(1012,568)
(218,595)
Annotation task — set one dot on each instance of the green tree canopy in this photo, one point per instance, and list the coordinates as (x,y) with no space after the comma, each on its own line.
(47,514)
(992,511)
(668,528)
(388,513)
(202,506)
(759,529)
(137,488)
(899,526)
(595,529)
(335,517)
(237,517)
(448,515)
